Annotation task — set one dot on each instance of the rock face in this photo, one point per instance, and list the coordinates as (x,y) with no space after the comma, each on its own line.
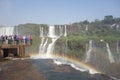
(43,70)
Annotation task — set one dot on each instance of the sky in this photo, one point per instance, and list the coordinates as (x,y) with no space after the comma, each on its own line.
(15,12)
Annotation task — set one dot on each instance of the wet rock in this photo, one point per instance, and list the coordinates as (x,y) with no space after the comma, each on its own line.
(102,77)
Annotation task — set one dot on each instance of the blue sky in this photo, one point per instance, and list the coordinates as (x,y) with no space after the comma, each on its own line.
(14,12)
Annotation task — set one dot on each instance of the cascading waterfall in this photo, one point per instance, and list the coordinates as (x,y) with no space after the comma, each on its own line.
(44,41)
(117,49)
(41,32)
(41,45)
(6,31)
(65,34)
(46,48)
(88,53)
(110,56)
(51,32)
(2,31)
(60,30)
(53,36)
(86,28)
(51,48)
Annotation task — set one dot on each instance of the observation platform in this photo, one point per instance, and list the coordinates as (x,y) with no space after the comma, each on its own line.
(11,48)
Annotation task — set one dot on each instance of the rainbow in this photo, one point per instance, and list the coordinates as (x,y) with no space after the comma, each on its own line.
(73,61)
(83,64)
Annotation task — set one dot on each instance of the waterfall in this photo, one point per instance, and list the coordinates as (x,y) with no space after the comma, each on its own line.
(46,48)
(65,34)
(42,40)
(41,45)
(53,36)
(51,48)
(88,53)
(51,32)
(60,30)
(6,31)
(117,49)
(41,32)
(86,27)
(110,56)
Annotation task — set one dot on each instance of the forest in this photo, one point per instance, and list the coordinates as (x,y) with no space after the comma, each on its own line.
(78,35)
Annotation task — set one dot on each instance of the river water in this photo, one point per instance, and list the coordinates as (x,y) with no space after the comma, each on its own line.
(43,69)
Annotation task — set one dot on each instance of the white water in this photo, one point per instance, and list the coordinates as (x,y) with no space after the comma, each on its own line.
(51,48)
(42,40)
(52,35)
(51,32)
(61,31)
(86,28)
(45,45)
(41,45)
(41,32)
(6,31)
(110,56)
(117,49)
(46,48)
(88,53)
(74,65)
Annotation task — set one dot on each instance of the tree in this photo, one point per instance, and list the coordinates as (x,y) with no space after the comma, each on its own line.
(85,22)
(108,19)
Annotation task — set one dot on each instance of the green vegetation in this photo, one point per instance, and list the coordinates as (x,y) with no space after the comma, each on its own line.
(78,35)
(34,48)
(34,31)
(108,29)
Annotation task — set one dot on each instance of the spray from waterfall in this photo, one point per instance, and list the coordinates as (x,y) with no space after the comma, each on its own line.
(88,53)
(110,56)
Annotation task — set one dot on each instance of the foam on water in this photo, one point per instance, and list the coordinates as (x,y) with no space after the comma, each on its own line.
(80,66)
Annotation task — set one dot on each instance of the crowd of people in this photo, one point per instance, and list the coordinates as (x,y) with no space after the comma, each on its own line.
(15,39)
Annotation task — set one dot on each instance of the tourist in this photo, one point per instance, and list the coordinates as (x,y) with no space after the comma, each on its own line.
(15,39)
(26,39)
